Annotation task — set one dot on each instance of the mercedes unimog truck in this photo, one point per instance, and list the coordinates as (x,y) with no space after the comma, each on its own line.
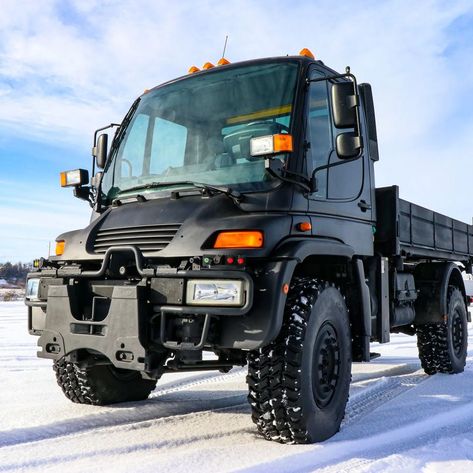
(236,213)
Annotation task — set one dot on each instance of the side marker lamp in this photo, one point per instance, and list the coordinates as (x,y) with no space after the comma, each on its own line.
(304,226)
(270,144)
(241,239)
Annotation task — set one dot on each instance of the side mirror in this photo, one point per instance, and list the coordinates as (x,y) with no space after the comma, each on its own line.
(101,150)
(348,145)
(344,102)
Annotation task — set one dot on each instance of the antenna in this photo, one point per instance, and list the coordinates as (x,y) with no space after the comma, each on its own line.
(225,46)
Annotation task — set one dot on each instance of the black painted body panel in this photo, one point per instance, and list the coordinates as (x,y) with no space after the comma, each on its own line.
(407,229)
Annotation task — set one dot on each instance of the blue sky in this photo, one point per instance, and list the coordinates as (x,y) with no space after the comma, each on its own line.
(69,67)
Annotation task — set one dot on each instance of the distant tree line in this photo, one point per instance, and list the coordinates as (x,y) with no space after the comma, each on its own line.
(14,271)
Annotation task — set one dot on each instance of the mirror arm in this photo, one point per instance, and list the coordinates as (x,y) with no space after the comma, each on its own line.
(331,165)
(355,100)
(84,193)
(276,171)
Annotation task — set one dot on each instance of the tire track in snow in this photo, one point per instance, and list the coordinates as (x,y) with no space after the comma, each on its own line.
(177,386)
(178,439)
(131,413)
(378,394)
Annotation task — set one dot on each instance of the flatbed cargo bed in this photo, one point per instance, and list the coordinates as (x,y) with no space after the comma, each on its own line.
(407,229)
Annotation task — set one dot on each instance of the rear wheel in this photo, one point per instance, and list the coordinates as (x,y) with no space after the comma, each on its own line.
(101,384)
(298,385)
(443,346)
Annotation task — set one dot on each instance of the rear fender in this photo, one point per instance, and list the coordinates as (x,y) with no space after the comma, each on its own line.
(432,281)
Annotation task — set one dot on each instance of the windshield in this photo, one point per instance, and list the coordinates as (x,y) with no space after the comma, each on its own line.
(198,129)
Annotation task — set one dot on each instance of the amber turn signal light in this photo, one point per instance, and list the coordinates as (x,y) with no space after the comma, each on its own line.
(304,226)
(242,239)
(60,245)
(282,143)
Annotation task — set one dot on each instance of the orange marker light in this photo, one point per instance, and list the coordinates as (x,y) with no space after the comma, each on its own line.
(243,239)
(193,69)
(304,226)
(282,143)
(285,288)
(207,65)
(223,62)
(60,244)
(307,53)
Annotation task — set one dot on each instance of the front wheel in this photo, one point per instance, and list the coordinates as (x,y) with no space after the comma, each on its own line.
(298,385)
(443,346)
(101,384)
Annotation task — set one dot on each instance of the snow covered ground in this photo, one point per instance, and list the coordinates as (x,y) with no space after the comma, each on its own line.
(398,419)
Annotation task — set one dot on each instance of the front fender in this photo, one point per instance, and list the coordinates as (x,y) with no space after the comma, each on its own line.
(302,248)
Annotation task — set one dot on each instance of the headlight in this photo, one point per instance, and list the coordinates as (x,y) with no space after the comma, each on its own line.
(215,292)
(32,289)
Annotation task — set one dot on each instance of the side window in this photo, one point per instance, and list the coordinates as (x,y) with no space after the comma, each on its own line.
(132,157)
(319,131)
(169,146)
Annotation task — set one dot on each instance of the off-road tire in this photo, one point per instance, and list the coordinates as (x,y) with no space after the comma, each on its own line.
(102,384)
(298,384)
(443,345)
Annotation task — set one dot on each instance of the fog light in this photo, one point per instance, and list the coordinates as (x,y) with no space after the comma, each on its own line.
(221,292)
(32,289)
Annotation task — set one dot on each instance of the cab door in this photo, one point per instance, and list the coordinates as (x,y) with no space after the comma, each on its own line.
(340,207)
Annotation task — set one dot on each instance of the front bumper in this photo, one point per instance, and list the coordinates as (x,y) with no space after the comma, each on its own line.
(124,321)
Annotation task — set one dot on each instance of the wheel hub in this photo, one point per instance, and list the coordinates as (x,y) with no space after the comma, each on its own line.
(457,333)
(326,364)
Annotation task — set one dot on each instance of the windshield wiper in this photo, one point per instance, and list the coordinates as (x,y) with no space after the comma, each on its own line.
(121,131)
(207,189)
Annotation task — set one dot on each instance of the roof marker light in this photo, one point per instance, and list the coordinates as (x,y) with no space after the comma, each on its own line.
(223,62)
(207,65)
(307,53)
(193,69)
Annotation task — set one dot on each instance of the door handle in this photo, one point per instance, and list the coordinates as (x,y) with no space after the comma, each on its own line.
(364,206)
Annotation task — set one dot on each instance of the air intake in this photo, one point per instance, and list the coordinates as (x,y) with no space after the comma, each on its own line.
(148,238)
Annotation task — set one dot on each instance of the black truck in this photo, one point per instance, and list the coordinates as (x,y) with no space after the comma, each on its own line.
(236,213)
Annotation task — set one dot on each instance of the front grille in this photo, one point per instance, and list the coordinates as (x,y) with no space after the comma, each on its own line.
(148,238)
